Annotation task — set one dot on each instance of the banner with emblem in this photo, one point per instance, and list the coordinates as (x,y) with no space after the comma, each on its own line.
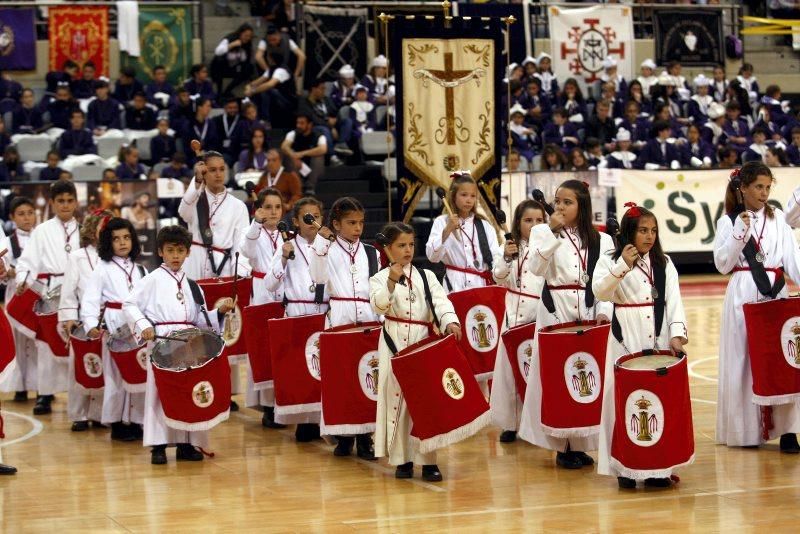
(79,33)
(480,311)
(448,83)
(17,39)
(334,37)
(518,342)
(233,333)
(165,38)
(444,400)
(580,39)
(693,36)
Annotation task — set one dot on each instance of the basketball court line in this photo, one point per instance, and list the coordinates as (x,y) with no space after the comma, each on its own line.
(694,374)
(36,429)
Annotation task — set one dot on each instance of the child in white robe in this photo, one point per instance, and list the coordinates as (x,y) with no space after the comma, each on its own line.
(163,302)
(522,299)
(642,282)
(750,219)
(400,304)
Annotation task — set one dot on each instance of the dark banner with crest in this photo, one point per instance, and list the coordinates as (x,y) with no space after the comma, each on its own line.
(17,39)
(693,37)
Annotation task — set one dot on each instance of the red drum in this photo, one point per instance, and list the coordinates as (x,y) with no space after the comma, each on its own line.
(294,348)
(88,360)
(255,327)
(349,370)
(773,339)
(653,432)
(131,360)
(572,359)
(20,309)
(444,399)
(518,342)
(216,289)
(193,379)
(46,310)
(480,312)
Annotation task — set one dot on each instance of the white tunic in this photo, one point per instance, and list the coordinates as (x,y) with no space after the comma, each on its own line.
(615,282)
(228,222)
(23,238)
(393,425)
(260,246)
(557,261)
(295,278)
(332,264)
(738,418)
(793,209)
(461,249)
(522,302)
(21,374)
(154,299)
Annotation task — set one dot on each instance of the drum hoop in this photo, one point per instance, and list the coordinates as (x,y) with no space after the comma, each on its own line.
(521,326)
(773,301)
(306,316)
(192,330)
(589,325)
(624,358)
(364,327)
(430,340)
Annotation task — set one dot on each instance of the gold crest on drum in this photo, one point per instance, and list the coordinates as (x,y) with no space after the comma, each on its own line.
(312,355)
(232,325)
(368,374)
(482,330)
(452,383)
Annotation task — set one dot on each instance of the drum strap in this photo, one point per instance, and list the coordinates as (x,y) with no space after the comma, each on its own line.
(208,237)
(428,298)
(372,259)
(659,305)
(757,270)
(591,261)
(197,295)
(16,250)
(483,243)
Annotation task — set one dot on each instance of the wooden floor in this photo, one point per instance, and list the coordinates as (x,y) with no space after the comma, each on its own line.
(262,481)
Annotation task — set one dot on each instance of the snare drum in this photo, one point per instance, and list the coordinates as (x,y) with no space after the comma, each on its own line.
(46,310)
(193,380)
(20,309)
(88,360)
(130,358)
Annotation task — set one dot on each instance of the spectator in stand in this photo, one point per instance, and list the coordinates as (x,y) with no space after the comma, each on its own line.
(130,168)
(700,101)
(553,159)
(5,139)
(377,81)
(793,151)
(712,131)
(523,138)
(11,167)
(229,131)
(177,167)
(53,79)
(83,88)
(60,108)
(109,175)
(758,148)
(162,146)
(248,123)
(637,126)
(362,113)
(719,85)
(159,91)
(254,158)
(647,77)
(577,160)
(776,157)
(696,152)
(104,111)
(765,121)
(728,158)
(77,140)
(201,128)
(279,43)
(306,147)
(571,99)
(748,81)
(285,181)
(664,93)
(662,112)
(26,117)
(127,86)
(325,116)
(529,66)
(637,94)
(736,93)
(601,126)
(343,92)
(561,132)
(513,162)
(233,58)
(658,153)
(274,91)
(284,16)
(181,112)
(140,115)
(594,153)
(538,109)
(622,157)
(10,93)
(611,75)
(199,84)
(545,74)
(735,128)
(772,100)
(52,171)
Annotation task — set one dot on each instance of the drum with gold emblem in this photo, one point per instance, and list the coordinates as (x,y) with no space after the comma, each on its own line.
(46,310)
(193,379)
(19,308)
(130,357)
(88,360)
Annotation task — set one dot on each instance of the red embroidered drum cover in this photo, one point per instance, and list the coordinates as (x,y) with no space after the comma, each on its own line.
(256,339)
(480,312)
(518,342)
(233,333)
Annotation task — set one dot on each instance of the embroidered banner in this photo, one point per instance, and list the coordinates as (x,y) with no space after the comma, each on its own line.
(693,37)
(580,39)
(165,38)
(334,37)
(79,33)
(518,36)
(17,39)
(449,86)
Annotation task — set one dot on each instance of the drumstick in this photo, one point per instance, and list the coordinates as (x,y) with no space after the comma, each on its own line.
(197,148)
(283,228)
(500,217)
(384,243)
(250,187)
(168,338)
(235,277)
(309,219)
(441,194)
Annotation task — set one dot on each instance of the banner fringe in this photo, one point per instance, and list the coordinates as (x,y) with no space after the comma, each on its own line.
(298,408)
(345,430)
(134,388)
(197,427)
(641,474)
(454,436)
(579,432)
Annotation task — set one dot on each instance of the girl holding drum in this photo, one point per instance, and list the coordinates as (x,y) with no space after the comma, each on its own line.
(564,253)
(755,244)
(642,283)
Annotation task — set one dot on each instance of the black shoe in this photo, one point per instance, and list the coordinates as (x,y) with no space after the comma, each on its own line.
(584,458)
(405,470)
(42,406)
(122,432)
(21,396)
(431,473)
(657,483)
(187,452)
(80,426)
(344,447)
(364,449)
(7,469)
(136,431)
(98,424)
(158,456)
(789,444)
(234,406)
(268,419)
(568,460)
(508,436)
(306,432)
(626,483)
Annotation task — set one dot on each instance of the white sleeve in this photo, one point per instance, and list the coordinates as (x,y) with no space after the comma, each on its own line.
(379,295)
(494,242)
(4,246)
(544,244)
(729,243)
(136,300)
(676,317)
(68,303)
(793,209)
(262,45)
(187,209)
(28,261)
(248,245)
(90,307)
(318,263)
(242,225)
(276,272)
(501,270)
(289,136)
(444,308)
(293,46)
(222,48)
(282,75)
(434,248)
(606,249)
(322,141)
(607,276)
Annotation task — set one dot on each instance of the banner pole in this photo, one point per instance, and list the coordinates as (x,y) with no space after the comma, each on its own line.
(384,18)
(509,20)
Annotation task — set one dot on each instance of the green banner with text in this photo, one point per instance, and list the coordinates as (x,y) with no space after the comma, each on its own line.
(165,34)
